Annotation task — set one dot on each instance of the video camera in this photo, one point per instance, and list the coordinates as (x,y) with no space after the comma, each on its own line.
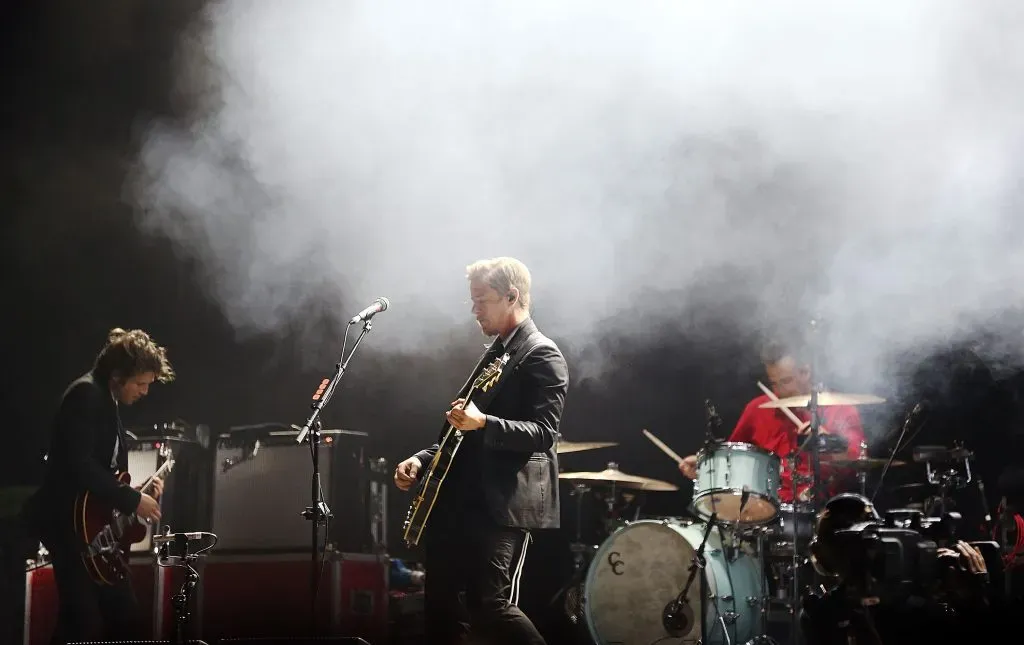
(889,560)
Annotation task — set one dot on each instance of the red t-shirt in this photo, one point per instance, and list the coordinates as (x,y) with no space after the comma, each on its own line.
(771,429)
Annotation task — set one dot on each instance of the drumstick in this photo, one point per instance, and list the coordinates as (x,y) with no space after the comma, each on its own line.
(665,449)
(800,425)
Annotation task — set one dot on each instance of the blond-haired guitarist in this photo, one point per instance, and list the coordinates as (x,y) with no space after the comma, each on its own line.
(503,479)
(88,445)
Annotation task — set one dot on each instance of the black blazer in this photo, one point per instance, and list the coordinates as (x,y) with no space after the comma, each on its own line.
(518,462)
(81,448)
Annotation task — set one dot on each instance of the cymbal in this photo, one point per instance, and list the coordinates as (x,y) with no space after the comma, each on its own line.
(865,463)
(824,399)
(612,475)
(576,446)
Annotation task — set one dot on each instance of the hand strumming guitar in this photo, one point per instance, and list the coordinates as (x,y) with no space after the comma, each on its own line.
(406,473)
(148,509)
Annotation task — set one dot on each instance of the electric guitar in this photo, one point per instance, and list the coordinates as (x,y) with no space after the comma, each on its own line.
(432,479)
(108,534)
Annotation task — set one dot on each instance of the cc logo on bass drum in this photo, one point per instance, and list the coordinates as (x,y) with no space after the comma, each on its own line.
(615,562)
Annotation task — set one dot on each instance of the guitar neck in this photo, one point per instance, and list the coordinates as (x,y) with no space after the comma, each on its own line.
(159,473)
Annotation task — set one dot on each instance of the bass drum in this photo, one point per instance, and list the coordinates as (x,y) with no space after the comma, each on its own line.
(642,567)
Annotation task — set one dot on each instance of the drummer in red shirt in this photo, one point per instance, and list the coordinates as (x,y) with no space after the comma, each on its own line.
(773,430)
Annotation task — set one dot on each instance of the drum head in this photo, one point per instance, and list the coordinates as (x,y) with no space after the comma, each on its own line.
(635,573)
(727,503)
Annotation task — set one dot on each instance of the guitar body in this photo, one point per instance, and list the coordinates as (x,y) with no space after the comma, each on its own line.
(107,535)
(430,487)
(433,478)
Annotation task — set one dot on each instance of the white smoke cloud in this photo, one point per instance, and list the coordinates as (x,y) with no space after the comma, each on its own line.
(857,161)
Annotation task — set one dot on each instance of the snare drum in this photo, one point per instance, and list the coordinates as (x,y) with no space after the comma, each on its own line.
(643,567)
(739,481)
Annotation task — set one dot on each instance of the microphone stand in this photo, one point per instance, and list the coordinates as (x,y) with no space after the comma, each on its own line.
(895,449)
(319,512)
(674,623)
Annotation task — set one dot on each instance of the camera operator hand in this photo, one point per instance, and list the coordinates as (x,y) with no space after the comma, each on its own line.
(975,561)
(968,555)
(966,581)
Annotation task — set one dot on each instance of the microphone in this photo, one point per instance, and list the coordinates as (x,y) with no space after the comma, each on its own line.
(677,618)
(744,498)
(379,305)
(713,417)
(172,537)
(714,422)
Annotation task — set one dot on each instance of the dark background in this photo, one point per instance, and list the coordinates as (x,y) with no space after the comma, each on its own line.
(81,76)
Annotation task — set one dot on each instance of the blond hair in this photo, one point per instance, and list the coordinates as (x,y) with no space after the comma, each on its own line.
(503,274)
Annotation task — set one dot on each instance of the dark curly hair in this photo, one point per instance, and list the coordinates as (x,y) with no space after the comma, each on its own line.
(129,353)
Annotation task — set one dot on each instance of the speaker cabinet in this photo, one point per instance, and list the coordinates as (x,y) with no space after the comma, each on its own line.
(260,491)
(144,459)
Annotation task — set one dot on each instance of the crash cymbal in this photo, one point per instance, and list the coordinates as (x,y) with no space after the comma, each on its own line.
(824,399)
(577,446)
(864,463)
(612,475)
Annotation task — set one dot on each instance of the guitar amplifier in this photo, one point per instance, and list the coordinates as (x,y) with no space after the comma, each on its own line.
(144,459)
(262,483)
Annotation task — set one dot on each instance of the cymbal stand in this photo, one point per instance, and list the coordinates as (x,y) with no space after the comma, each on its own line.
(862,476)
(578,548)
(813,442)
(794,604)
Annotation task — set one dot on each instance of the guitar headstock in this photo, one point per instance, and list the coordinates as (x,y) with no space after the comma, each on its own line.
(490,374)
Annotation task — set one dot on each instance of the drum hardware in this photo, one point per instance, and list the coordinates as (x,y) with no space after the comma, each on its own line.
(862,474)
(947,478)
(814,402)
(862,464)
(581,554)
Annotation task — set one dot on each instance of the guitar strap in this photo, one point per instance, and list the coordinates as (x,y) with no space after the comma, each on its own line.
(491,353)
(516,357)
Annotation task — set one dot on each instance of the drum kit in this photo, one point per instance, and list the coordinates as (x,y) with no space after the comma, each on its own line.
(738,567)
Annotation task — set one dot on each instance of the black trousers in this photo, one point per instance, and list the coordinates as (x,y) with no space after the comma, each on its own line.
(88,611)
(472,585)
